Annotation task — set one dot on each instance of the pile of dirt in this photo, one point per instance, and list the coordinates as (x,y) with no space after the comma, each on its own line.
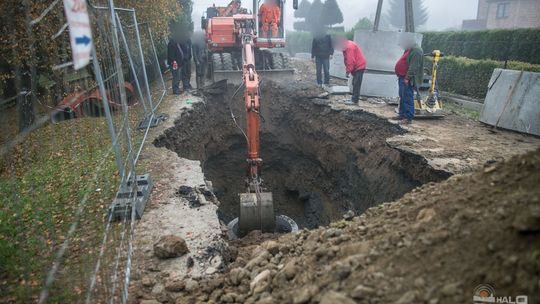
(434,245)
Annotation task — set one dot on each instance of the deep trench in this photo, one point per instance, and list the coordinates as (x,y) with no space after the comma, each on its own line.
(318,162)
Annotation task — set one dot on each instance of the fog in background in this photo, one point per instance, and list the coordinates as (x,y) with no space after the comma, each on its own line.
(442,14)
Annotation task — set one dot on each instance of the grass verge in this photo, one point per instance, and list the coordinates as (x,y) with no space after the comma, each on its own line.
(43,182)
(457,109)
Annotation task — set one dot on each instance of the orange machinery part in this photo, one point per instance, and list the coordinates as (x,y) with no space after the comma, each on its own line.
(221,32)
(251,96)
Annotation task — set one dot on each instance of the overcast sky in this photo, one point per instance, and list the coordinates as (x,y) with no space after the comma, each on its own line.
(442,14)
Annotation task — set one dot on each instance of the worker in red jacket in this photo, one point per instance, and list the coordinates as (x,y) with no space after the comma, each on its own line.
(355,65)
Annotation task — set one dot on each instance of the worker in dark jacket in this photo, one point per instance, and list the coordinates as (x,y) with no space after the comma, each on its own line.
(322,51)
(185,44)
(410,71)
(175,59)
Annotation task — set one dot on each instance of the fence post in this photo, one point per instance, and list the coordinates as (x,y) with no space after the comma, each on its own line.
(145,76)
(377,16)
(105,102)
(156,57)
(122,89)
(131,64)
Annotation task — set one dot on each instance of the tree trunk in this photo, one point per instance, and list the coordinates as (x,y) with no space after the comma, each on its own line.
(25,107)
(25,101)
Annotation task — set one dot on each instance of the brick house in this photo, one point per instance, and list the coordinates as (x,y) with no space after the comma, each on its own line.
(493,14)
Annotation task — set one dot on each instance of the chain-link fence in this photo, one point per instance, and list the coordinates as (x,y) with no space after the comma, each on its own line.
(70,185)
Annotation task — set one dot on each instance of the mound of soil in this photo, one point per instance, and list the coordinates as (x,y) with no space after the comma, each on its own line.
(434,245)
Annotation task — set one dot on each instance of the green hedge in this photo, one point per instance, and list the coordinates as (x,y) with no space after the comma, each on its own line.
(515,44)
(471,77)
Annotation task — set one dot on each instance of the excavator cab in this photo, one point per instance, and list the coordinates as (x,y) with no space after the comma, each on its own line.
(269,15)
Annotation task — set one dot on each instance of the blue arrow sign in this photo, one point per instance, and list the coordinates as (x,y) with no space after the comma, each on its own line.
(83,40)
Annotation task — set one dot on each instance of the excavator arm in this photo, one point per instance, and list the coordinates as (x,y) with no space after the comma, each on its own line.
(256,206)
(252,104)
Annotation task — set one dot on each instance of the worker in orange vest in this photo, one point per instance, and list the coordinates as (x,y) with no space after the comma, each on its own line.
(269,18)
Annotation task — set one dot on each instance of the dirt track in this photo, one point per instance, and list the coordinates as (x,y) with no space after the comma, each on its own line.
(411,251)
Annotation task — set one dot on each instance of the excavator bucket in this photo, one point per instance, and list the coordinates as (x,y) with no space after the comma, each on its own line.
(235,77)
(256,214)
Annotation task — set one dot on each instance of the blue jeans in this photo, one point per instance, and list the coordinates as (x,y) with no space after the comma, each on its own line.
(322,64)
(406,99)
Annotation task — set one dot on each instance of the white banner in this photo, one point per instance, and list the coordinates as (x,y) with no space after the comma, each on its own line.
(80,33)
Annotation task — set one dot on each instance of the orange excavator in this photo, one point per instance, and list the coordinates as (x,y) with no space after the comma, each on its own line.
(224,30)
(232,36)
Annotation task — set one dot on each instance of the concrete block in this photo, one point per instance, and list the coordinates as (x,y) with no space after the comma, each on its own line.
(122,205)
(339,90)
(379,85)
(337,66)
(151,122)
(513,101)
(381,50)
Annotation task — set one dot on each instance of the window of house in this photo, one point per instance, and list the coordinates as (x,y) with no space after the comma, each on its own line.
(503,9)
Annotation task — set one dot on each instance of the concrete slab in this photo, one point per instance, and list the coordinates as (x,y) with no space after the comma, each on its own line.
(512,101)
(337,66)
(379,85)
(381,50)
(339,90)
(122,205)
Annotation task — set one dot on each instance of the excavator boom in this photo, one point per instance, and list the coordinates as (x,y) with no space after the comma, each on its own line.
(256,206)
(233,35)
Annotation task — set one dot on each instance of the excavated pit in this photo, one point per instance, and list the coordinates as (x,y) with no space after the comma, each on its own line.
(318,162)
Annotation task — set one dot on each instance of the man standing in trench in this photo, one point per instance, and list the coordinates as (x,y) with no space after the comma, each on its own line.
(410,71)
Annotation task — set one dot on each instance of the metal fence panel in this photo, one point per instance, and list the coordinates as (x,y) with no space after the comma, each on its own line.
(65,172)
